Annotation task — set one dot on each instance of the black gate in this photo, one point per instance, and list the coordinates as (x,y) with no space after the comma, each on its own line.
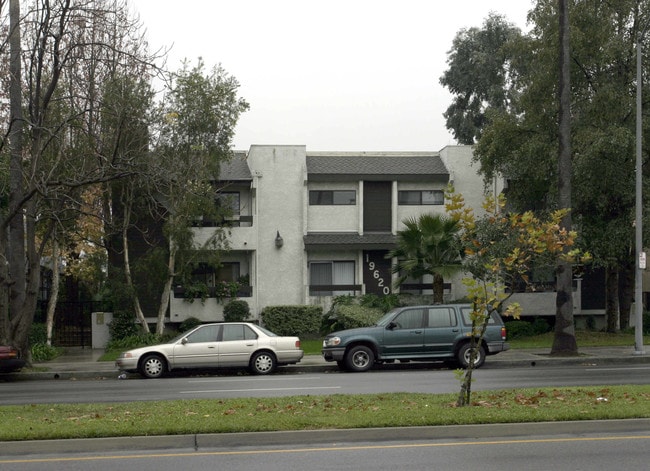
(72,323)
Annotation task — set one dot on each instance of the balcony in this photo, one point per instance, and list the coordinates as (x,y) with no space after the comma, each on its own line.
(241,233)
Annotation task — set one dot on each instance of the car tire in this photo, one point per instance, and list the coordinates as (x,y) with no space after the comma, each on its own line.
(263,363)
(359,358)
(153,366)
(464,353)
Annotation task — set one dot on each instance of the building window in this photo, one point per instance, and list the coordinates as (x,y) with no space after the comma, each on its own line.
(210,276)
(421,197)
(332,197)
(325,276)
(229,200)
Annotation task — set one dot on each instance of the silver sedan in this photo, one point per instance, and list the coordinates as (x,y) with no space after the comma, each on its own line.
(222,345)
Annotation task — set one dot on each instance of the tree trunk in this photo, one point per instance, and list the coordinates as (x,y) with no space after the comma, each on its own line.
(625,293)
(167,288)
(54,292)
(611,298)
(564,342)
(15,249)
(127,267)
(438,289)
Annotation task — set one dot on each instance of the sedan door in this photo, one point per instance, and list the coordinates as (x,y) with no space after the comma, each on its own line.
(238,343)
(198,349)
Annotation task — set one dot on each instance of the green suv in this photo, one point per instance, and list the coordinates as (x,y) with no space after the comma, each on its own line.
(415,333)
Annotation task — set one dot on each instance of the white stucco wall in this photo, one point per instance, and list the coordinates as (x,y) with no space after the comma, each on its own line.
(339,218)
(465,178)
(279,173)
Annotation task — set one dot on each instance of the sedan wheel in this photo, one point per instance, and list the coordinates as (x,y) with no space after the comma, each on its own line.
(464,355)
(152,366)
(262,363)
(359,358)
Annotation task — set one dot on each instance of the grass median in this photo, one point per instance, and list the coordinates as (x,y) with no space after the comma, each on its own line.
(62,421)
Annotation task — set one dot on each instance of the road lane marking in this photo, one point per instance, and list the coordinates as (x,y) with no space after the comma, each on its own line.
(336,449)
(259,378)
(257,390)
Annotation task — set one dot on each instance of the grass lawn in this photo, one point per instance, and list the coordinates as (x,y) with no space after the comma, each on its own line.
(60,421)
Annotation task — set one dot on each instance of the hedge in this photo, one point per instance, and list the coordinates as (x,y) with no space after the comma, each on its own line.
(302,321)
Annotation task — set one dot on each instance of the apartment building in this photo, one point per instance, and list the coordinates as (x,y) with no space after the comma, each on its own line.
(308,226)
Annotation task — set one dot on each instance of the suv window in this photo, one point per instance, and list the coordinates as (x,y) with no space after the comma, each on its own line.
(441,317)
(409,319)
(467,320)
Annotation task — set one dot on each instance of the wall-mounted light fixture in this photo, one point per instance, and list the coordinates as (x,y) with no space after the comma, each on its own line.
(279,241)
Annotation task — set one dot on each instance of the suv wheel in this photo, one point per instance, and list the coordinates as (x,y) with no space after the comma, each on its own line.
(464,354)
(359,358)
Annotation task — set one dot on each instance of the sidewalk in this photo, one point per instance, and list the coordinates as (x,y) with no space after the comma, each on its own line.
(83,362)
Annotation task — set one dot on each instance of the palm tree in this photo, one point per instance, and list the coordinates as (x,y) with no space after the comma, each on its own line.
(428,246)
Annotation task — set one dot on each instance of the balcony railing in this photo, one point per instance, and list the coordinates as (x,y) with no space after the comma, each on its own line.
(327,290)
(211,292)
(233,221)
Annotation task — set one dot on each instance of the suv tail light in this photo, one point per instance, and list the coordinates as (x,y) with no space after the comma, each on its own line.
(297,343)
(503,333)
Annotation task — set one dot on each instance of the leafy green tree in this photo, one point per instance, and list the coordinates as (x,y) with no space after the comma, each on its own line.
(479,76)
(197,123)
(521,143)
(427,246)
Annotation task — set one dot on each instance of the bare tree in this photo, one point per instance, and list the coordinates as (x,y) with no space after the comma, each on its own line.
(69,49)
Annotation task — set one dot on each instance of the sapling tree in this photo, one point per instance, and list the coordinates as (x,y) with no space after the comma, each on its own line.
(501,249)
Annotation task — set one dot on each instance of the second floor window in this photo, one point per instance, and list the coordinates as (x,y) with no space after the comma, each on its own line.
(332,197)
(421,197)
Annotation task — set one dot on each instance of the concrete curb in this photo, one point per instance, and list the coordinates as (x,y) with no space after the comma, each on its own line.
(329,437)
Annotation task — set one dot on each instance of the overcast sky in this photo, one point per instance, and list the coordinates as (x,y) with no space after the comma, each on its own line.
(334,75)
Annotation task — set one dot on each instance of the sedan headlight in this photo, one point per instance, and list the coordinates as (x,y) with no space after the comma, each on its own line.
(331,342)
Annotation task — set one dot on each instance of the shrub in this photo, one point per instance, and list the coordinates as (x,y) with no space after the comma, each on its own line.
(519,329)
(540,326)
(123,325)
(38,334)
(351,317)
(236,310)
(303,321)
(383,303)
(136,340)
(188,324)
(41,351)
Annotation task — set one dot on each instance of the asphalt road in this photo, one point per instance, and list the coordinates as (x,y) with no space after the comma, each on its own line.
(422,380)
(570,446)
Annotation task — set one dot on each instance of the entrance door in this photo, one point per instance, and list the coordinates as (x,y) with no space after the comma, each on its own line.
(377,198)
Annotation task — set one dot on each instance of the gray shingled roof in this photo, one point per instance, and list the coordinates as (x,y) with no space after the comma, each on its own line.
(343,240)
(236,169)
(376,166)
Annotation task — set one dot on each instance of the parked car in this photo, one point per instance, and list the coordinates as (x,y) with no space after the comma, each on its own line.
(415,333)
(220,345)
(10,359)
